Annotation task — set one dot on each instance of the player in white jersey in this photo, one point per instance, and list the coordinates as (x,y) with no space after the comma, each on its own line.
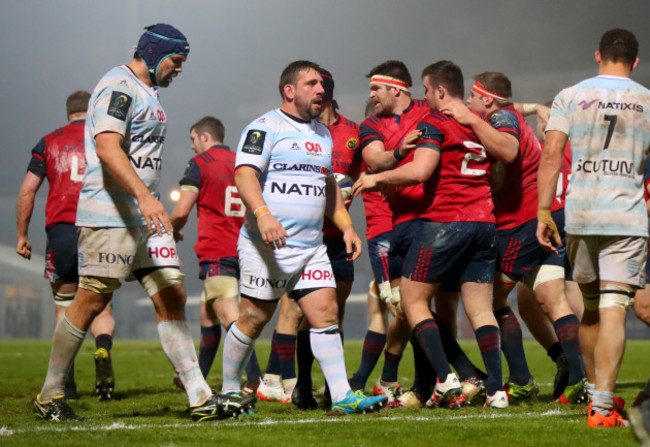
(124,231)
(607,120)
(284,175)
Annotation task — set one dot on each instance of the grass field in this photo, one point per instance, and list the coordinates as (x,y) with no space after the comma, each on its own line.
(147,409)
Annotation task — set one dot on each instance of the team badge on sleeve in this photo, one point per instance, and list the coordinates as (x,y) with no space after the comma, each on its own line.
(254,142)
(119,105)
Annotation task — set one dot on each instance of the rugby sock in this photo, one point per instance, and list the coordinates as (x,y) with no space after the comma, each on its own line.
(590,387)
(208,347)
(305,360)
(554,351)
(428,336)
(489,344)
(328,350)
(512,345)
(237,348)
(177,344)
(455,354)
(373,345)
(286,352)
(273,367)
(567,329)
(602,402)
(104,341)
(253,370)
(66,342)
(391,364)
(70,384)
(424,378)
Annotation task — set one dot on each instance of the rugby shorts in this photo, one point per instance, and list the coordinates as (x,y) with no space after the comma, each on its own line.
(342,268)
(61,254)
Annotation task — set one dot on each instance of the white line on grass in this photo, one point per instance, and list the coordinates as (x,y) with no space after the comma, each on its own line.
(61,428)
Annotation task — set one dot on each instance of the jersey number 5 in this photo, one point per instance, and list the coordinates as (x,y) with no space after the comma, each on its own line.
(475,157)
(234,206)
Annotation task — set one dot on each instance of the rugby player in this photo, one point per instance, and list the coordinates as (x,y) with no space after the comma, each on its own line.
(607,121)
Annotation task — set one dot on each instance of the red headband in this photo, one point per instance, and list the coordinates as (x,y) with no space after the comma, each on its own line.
(481,90)
(389,81)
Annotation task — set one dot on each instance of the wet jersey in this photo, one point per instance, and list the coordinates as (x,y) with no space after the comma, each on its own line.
(403,201)
(345,139)
(220,211)
(293,158)
(59,156)
(459,189)
(122,104)
(607,120)
(515,198)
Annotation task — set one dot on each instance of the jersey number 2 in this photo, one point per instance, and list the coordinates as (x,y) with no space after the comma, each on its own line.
(473,156)
(234,206)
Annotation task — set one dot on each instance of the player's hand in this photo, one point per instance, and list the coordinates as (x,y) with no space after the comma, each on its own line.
(543,112)
(155,216)
(547,232)
(24,248)
(352,243)
(409,142)
(273,233)
(460,112)
(366,182)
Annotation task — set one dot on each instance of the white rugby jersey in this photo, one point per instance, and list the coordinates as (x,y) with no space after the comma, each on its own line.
(607,119)
(293,157)
(121,103)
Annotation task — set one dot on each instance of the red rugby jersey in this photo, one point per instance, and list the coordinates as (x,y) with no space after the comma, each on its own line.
(515,201)
(459,189)
(405,201)
(345,138)
(220,211)
(59,156)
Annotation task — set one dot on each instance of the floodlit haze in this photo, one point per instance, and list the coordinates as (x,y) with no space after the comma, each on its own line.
(239,48)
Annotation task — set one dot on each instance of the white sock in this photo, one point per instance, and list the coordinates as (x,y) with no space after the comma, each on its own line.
(237,349)
(66,342)
(328,351)
(178,346)
(602,402)
(590,389)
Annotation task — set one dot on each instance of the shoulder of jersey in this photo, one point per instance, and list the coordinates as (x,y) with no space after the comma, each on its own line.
(348,123)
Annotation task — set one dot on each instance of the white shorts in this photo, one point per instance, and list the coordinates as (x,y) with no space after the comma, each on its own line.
(608,258)
(118,252)
(266,274)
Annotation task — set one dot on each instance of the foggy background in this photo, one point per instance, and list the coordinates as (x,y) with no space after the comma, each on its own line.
(238,49)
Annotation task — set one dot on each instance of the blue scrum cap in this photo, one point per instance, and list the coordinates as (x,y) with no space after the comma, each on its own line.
(159,42)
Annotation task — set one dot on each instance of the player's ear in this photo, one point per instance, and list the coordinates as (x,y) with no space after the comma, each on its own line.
(597,57)
(289,91)
(635,63)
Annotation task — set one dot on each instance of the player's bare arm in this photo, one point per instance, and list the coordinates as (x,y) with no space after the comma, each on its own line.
(110,153)
(378,159)
(24,210)
(547,176)
(336,210)
(502,146)
(182,211)
(273,233)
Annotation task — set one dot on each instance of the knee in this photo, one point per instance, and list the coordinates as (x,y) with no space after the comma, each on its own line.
(252,320)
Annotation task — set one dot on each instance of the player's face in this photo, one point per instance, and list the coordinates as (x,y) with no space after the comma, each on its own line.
(169,68)
(383,98)
(430,95)
(198,143)
(476,103)
(308,94)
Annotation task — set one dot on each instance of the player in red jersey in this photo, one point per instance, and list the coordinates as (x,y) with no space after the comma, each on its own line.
(456,236)
(59,157)
(209,182)
(519,257)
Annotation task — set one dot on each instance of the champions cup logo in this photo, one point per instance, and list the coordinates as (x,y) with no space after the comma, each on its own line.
(254,137)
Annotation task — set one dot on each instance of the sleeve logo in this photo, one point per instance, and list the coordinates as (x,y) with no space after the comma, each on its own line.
(119,105)
(254,143)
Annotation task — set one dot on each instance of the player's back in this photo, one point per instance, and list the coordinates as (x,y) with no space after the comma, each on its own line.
(607,119)
(63,152)
(459,189)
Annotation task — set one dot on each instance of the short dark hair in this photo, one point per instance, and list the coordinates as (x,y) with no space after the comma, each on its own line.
(77,102)
(618,45)
(394,69)
(447,74)
(211,125)
(495,82)
(290,73)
